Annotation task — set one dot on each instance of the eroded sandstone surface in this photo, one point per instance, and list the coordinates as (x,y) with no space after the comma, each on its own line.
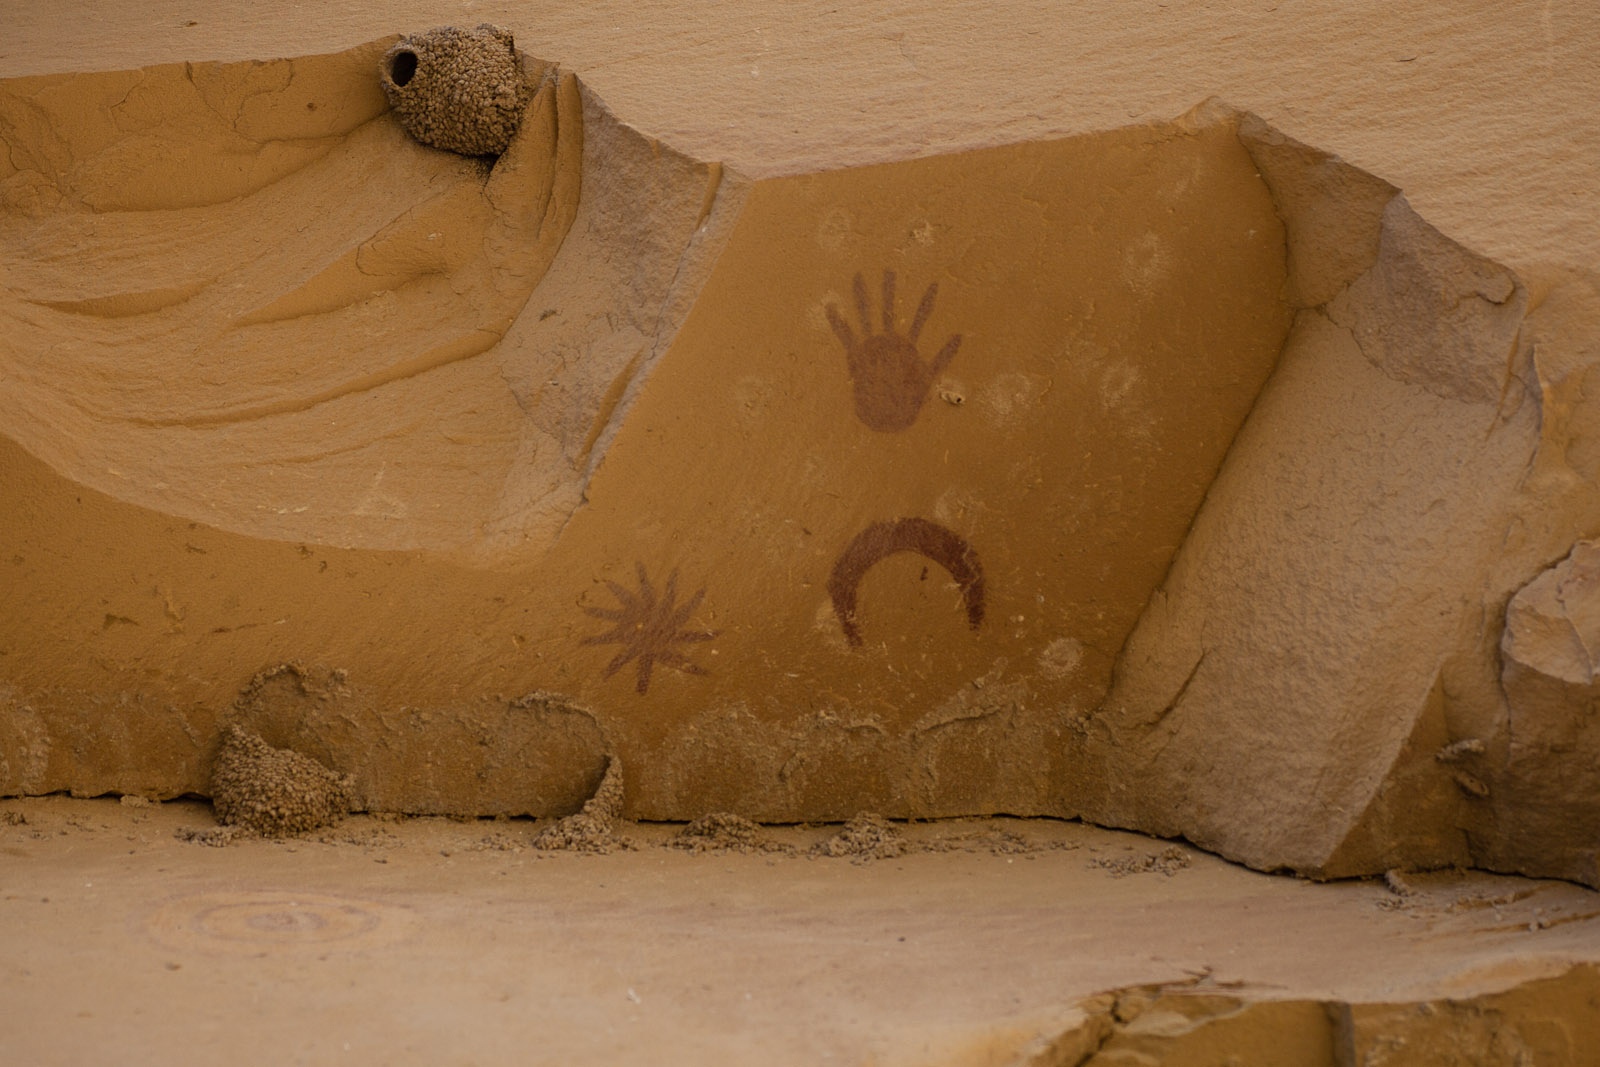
(1176,476)
(959,943)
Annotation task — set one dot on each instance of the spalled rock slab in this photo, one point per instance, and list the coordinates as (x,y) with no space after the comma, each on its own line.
(1553,625)
(1547,786)
(1300,634)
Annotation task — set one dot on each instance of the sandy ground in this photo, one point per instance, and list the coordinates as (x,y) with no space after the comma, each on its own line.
(433,941)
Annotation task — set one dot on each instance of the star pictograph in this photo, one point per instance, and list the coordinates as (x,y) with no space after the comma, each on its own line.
(648,625)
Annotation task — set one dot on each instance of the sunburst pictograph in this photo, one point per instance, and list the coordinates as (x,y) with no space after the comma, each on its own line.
(648,625)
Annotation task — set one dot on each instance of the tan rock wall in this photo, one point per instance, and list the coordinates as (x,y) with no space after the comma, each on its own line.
(1176,476)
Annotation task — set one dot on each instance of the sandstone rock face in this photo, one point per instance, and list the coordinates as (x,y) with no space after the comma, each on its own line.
(1551,773)
(1299,635)
(1547,1020)
(1173,476)
(1553,625)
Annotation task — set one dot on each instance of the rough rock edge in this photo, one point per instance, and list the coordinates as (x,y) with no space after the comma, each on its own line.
(1535,1021)
(1359,257)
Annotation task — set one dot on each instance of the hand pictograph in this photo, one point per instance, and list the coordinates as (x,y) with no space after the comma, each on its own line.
(891,380)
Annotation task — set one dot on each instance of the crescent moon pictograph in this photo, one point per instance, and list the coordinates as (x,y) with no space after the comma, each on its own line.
(882,540)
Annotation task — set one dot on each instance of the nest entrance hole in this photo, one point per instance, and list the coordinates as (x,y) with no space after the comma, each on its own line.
(402,67)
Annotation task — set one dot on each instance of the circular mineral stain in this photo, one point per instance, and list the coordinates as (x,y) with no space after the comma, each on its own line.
(275,921)
(1061,657)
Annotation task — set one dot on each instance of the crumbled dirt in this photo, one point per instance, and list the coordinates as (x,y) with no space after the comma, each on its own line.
(13,818)
(997,841)
(498,842)
(1395,880)
(594,828)
(870,837)
(722,831)
(214,836)
(274,792)
(368,837)
(1168,861)
(865,838)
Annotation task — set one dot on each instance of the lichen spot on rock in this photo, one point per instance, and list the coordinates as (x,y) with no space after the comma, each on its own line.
(460,90)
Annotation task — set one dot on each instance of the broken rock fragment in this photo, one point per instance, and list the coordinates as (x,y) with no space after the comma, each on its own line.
(1550,788)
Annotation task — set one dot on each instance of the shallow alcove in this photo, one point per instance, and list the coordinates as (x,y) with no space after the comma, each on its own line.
(1157,476)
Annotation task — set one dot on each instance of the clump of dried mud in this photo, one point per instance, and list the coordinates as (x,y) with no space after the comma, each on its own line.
(460,90)
(272,791)
(214,836)
(722,831)
(866,837)
(996,842)
(594,828)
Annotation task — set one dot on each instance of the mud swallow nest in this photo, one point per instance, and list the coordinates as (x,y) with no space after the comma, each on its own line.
(590,830)
(460,90)
(273,791)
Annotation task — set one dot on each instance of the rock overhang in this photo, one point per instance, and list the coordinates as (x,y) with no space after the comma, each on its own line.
(811,305)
